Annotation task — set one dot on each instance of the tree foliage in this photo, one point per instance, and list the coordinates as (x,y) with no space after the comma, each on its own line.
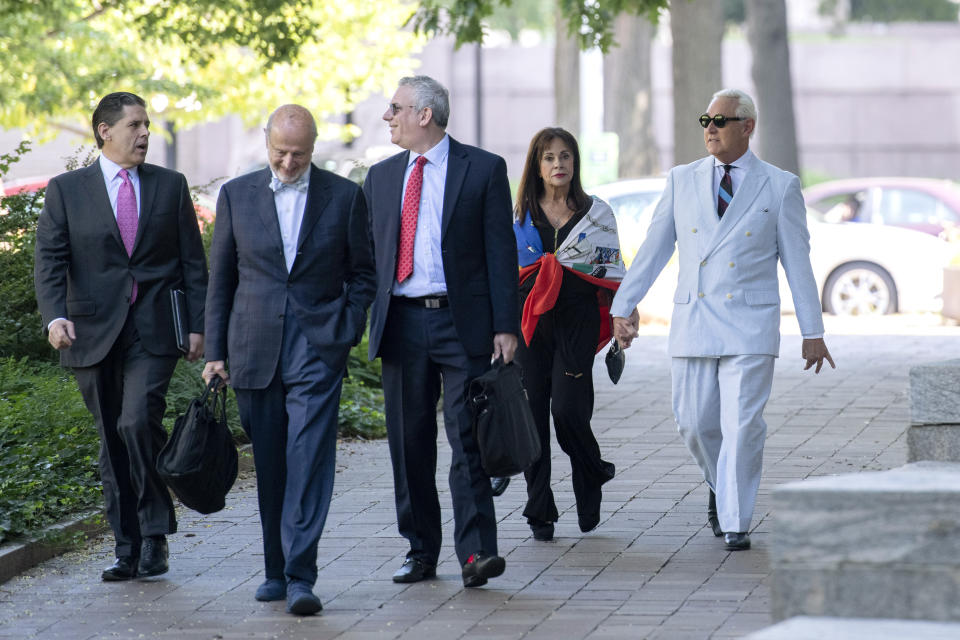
(592,21)
(196,60)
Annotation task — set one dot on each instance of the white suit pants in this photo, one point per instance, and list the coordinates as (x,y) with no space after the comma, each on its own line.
(718,404)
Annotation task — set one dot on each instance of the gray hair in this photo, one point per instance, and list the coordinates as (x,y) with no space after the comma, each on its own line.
(430,93)
(745,106)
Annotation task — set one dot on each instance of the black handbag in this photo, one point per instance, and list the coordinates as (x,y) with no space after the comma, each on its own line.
(502,421)
(199,461)
(615,360)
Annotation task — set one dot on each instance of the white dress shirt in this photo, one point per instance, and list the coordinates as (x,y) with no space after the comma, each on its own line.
(427,278)
(739,168)
(290,202)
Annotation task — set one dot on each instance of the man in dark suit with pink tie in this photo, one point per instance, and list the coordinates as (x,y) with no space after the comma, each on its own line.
(112,241)
(446,300)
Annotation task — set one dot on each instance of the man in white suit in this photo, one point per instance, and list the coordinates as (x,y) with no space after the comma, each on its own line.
(731,217)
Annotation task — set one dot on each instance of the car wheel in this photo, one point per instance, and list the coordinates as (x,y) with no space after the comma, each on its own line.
(859,289)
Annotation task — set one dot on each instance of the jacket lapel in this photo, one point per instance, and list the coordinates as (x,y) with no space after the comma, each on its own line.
(392,196)
(266,207)
(457,165)
(100,200)
(706,198)
(148,191)
(317,198)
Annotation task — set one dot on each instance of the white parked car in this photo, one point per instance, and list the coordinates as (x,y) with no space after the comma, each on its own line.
(860,269)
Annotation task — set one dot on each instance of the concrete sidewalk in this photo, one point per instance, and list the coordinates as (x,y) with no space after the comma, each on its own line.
(650,570)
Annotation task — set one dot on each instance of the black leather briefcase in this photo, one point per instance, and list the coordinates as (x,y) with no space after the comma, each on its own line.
(199,461)
(503,423)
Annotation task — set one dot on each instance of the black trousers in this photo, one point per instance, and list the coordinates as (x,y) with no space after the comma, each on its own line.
(421,352)
(558,375)
(126,393)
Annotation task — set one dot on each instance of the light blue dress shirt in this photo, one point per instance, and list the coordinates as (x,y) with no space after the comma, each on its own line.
(427,278)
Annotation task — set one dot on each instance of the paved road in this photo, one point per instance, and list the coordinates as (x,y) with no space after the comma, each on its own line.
(650,570)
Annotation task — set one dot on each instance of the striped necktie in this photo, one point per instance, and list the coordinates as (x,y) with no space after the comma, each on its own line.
(725,194)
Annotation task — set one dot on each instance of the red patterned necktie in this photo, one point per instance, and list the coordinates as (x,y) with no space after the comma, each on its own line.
(725,194)
(408,220)
(127,218)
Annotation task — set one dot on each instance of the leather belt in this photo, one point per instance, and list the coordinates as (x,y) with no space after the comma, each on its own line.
(430,302)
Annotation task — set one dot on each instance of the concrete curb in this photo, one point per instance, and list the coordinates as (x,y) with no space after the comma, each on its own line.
(15,558)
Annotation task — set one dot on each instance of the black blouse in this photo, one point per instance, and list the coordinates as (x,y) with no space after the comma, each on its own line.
(574,289)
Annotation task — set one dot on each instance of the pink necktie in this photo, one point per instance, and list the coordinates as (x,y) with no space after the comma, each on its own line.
(408,220)
(127,218)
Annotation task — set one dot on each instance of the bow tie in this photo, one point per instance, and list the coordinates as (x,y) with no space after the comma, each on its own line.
(300,185)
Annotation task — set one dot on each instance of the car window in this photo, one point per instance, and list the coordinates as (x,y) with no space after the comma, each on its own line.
(909,207)
(843,207)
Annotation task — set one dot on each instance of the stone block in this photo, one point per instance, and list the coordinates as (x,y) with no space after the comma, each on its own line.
(934,432)
(939,442)
(935,393)
(821,628)
(869,545)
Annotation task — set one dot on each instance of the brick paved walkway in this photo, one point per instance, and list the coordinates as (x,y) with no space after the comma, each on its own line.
(650,570)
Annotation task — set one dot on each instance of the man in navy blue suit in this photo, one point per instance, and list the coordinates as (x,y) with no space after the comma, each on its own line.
(446,300)
(291,277)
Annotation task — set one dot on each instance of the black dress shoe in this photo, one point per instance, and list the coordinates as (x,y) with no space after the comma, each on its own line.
(479,568)
(124,568)
(712,519)
(542,531)
(153,557)
(588,521)
(414,570)
(737,541)
(499,485)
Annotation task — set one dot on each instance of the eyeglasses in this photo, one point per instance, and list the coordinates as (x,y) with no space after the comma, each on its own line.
(397,108)
(719,120)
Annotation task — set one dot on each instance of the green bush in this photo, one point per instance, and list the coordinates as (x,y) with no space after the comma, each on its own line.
(20,325)
(48,448)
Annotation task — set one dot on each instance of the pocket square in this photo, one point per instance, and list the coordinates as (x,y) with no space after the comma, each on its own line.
(615,360)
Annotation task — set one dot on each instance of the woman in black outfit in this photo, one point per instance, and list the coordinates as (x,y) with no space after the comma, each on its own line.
(557,355)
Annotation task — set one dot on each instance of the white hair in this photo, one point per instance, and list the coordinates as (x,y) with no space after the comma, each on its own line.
(745,105)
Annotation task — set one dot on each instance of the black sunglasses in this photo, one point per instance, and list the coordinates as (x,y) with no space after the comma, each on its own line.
(719,120)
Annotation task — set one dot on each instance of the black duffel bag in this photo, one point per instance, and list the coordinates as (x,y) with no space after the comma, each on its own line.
(199,461)
(502,421)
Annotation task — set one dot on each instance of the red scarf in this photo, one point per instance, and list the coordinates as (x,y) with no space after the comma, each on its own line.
(543,296)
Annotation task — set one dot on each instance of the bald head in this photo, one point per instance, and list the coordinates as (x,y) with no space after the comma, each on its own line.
(290,133)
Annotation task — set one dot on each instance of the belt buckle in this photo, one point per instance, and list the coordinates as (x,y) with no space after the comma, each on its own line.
(432,303)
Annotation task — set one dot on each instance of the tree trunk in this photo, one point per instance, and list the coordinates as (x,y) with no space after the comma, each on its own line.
(776,126)
(566,77)
(697,28)
(628,96)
